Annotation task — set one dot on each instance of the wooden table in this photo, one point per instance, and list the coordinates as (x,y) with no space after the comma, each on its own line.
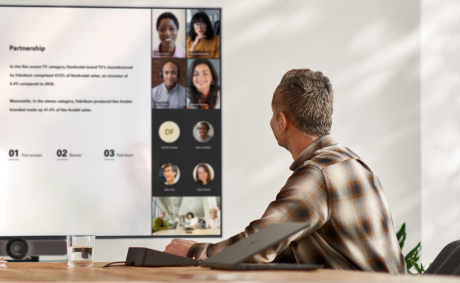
(59,272)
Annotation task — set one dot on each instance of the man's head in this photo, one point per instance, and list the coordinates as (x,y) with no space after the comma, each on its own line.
(162,214)
(170,74)
(170,173)
(213,213)
(305,98)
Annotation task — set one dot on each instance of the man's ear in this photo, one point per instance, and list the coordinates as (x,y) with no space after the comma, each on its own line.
(282,121)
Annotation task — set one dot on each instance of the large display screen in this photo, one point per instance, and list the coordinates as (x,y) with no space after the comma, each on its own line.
(110,121)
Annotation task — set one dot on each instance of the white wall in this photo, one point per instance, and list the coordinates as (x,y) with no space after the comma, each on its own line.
(402,126)
(440,125)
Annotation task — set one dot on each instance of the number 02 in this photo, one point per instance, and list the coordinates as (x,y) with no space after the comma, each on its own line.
(62,153)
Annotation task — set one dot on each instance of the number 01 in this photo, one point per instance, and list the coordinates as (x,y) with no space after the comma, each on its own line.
(14,152)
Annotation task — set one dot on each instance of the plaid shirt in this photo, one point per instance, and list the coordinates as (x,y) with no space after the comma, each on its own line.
(342,200)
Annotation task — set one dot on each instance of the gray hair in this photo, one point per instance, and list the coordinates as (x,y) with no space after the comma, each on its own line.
(305,97)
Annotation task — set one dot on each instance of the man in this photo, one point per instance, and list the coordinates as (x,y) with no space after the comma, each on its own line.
(159,223)
(331,189)
(169,94)
(214,221)
(170,173)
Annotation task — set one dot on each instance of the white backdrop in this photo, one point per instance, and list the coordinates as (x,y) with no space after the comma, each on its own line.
(116,204)
(440,125)
(372,52)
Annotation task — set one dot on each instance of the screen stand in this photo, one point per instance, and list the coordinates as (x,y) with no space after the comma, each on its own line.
(26,259)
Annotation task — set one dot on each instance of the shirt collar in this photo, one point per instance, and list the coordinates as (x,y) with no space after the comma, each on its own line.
(309,152)
(172,90)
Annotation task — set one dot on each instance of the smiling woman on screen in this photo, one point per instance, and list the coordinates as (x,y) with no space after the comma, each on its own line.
(167,27)
(203,86)
(191,221)
(203,174)
(202,43)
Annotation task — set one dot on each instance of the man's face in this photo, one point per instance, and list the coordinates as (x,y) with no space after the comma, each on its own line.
(170,74)
(169,174)
(274,124)
(162,214)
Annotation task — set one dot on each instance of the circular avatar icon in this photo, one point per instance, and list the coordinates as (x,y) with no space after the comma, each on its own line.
(169,174)
(203,131)
(169,131)
(203,174)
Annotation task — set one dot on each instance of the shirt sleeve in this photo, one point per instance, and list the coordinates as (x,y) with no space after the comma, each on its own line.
(189,44)
(302,199)
(217,54)
(154,93)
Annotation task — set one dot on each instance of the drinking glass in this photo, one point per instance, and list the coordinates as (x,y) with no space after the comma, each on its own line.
(80,251)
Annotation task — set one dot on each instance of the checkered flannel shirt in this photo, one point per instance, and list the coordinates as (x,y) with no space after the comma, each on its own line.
(342,200)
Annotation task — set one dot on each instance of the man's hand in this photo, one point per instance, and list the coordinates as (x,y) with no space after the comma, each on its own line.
(179,247)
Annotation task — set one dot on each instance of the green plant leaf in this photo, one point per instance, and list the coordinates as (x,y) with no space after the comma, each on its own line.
(412,257)
(402,241)
(422,268)
(401,235)
(414,252)
(409,264)
(417,268)
(402,230)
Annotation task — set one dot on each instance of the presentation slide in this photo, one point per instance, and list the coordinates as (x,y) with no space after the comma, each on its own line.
(83,149)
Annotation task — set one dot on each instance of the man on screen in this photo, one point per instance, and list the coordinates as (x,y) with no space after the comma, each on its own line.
(169,94)
(331,189)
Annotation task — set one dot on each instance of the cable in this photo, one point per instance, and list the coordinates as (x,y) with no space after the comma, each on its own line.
(125,263)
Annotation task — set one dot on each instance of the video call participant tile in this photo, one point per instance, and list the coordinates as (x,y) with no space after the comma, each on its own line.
(191,216)
(203,131)
(168,33)
(169,174)
(203,174)
(168,81)
(203,30)
(169,132)
(203,87)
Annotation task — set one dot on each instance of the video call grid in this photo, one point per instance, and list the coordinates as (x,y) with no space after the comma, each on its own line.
(186,152)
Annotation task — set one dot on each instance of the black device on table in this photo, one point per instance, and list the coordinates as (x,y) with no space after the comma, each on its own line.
(231,258)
